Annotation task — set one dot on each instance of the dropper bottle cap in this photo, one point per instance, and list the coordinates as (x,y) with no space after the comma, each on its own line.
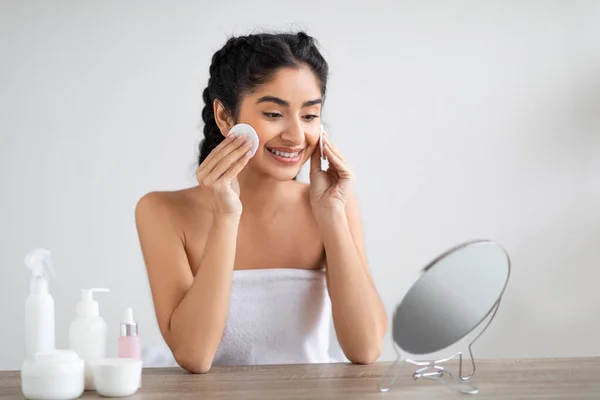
(128,326)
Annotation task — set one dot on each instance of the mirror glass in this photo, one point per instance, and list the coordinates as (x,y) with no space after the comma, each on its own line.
(453,295)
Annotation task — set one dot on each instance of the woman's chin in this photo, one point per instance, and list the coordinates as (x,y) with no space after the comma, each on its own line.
(282,174)
(285,176)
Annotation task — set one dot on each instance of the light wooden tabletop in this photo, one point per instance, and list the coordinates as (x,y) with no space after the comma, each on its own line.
(572,378)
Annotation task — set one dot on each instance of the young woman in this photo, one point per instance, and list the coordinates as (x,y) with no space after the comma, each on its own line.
(249,266)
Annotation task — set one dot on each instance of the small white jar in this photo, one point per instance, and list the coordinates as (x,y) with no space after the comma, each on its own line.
(53,375)
(117,377)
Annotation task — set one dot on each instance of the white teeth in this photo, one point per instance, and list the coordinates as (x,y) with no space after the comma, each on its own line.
(283,154)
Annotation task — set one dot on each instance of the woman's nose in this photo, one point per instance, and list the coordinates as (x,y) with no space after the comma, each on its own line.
(294,132)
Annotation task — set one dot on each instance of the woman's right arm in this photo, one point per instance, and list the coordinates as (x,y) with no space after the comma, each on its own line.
(192,310)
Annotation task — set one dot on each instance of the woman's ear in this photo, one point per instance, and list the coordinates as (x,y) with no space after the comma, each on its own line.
(222,117)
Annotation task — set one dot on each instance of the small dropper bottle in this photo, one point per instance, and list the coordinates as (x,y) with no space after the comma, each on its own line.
(129,341)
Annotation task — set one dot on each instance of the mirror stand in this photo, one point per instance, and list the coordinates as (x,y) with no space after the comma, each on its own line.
(434,370)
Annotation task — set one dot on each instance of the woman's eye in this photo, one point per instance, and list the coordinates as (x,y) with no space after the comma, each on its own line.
(272,115)
(310,117)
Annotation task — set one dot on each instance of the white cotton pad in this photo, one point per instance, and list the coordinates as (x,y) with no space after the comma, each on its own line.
(245,129)
(324,160)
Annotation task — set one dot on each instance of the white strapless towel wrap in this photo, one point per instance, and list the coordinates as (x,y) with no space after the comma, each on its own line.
(276,316)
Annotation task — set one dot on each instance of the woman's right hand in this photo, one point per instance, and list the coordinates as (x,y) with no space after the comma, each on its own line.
(217,175)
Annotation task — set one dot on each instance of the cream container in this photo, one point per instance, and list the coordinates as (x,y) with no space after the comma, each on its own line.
(53,375)
(117,377)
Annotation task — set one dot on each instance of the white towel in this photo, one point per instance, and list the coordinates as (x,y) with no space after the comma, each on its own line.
(276,316)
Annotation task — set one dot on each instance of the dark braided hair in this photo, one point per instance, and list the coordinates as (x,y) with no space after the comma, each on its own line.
(245,62)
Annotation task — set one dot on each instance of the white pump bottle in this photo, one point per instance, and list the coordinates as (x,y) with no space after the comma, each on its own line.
(39,305)
(87,333)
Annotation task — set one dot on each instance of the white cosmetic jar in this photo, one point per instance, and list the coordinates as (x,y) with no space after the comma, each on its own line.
(117,377)
(54,375)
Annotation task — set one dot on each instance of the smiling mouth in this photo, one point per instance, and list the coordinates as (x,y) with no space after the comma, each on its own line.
(285,154)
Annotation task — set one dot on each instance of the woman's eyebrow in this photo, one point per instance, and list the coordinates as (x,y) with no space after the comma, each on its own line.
(284,103)
(312,102)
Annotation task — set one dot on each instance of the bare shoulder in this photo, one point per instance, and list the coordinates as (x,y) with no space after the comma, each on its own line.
(166,206)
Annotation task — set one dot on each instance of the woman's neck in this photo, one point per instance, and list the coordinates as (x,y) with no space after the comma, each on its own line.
(259,192)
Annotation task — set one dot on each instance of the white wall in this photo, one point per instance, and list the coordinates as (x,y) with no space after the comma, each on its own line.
(461,120)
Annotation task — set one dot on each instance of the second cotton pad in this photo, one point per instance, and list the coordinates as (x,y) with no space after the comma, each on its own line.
(245,129)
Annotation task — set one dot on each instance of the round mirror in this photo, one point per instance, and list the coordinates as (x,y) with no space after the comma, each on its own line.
(454,294)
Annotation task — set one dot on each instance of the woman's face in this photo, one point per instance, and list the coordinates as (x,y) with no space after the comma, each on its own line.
(286,116)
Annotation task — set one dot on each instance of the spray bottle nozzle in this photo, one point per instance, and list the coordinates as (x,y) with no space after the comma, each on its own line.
(39,263)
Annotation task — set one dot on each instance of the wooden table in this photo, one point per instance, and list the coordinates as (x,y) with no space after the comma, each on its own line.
(574,378)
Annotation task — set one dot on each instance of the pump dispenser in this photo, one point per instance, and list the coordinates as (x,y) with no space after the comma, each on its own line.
(87,333)
(88,307)
(39,305)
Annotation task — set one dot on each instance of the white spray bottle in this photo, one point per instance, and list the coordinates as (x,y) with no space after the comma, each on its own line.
(39,305)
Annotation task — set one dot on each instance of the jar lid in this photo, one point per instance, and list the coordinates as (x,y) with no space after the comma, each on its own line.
(55,362)
(56,356)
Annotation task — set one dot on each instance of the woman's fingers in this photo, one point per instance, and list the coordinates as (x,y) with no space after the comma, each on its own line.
(332,148)
(223,165)
(208,161)
(315,161)
(340,166)
(229,145)
(230,159)
(234,170)
(333,158)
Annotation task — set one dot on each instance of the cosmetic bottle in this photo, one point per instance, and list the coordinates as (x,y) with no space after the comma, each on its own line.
(129,339)
(87,333)
(39,305)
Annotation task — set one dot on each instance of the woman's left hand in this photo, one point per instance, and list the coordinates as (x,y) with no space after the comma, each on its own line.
(329,190)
